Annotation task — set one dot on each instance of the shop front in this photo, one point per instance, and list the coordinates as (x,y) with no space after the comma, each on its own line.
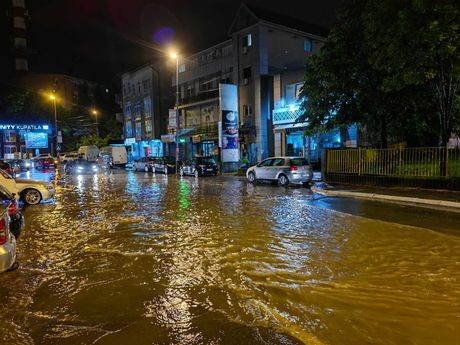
(24,140)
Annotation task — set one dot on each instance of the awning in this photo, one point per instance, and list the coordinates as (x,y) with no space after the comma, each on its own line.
(279,128)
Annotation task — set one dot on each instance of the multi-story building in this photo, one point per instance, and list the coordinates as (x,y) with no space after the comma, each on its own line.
(266,58)
(145,109)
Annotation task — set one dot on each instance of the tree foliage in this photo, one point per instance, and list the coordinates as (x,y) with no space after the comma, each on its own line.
(391,66)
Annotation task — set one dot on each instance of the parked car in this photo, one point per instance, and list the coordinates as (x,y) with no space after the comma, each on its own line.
(284,170)
(16,217)
(165,165)
(31,192)
(21,164)
(9,168)
(144,164)
(45,162)
(7,239)
(199,166)
(81,166)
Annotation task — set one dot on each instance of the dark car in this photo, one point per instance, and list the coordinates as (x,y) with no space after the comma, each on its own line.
(81,166)
(7,167)
(20,164)
(199,166)
(15,214)
(165,165)
(44,162)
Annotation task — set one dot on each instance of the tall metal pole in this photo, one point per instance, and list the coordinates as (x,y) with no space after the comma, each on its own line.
(55,126)
(97,126)
(177,114)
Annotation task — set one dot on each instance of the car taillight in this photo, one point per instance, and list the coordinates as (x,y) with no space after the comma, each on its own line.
(293,168)
(3,232)
(13,208)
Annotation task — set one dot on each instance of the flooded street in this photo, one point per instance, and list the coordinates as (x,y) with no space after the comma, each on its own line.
(138,258)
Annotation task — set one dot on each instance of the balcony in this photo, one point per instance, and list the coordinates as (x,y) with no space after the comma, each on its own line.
(286,114)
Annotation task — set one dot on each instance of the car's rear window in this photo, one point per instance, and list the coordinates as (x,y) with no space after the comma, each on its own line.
(299,161)
(205,161)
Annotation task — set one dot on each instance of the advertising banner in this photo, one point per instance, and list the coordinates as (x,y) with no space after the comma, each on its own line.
(36,140)
(172,118)
(229,118)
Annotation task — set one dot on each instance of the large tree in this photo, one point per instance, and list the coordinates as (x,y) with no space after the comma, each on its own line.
(378,70)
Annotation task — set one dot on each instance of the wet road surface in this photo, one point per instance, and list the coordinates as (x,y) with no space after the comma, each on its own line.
(123,257)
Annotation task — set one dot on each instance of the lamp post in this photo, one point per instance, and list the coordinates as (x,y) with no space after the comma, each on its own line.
(97,124)
(176,57)
(53,98)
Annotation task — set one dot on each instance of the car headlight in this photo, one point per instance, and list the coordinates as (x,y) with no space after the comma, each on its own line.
(79,168)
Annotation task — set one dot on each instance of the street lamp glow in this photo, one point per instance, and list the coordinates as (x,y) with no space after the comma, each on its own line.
(52,97)
(175,56)
(95,112)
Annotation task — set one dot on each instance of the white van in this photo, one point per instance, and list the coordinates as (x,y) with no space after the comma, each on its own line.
(114,155)
(89,153)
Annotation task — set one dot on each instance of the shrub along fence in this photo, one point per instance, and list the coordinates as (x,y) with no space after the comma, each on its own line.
(427,167)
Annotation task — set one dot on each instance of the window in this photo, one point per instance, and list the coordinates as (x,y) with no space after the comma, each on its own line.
(146,85)
(129,129)
(148,126)
(247,40)
(9,136)
(147,107)
(247,73)
(307,45)
(128,110)
(138,129)
(247,110)
(139,87)
(182,68)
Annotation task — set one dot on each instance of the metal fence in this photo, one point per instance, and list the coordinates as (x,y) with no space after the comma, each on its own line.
(421,162)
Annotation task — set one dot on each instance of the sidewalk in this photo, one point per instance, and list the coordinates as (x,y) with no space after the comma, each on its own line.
(422,197)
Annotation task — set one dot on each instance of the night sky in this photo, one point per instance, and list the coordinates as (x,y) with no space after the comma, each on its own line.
(96,39)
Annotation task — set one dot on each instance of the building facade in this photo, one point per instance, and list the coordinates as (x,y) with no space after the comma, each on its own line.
(145,110)
(266,58)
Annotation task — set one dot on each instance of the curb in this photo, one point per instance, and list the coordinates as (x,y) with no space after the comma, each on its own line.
(391,198)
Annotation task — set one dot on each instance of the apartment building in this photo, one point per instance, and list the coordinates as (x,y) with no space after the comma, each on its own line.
(265,58)
(145,109)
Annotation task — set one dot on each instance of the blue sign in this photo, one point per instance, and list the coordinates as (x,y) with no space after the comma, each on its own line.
(36,140)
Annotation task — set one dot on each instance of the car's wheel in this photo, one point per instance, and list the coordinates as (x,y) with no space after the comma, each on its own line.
(283,180)
(181,171)
(196,173)
(252,177)
(146,168)
(31,196)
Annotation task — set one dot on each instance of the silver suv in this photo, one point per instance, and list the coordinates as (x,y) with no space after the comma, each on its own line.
(284,170)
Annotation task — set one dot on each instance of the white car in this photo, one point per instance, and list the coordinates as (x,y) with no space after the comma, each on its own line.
(31,192)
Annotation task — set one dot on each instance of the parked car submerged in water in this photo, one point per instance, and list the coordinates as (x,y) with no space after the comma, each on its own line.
(199,166)
(31,192)
(165,165)
(81,166)
(144,164)
(284,170)
(7,239)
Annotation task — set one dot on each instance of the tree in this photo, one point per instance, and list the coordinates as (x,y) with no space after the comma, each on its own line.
(373,71)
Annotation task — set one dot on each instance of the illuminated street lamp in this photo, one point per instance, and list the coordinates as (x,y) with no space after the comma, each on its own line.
(175,56)
(97,124)
(52,97)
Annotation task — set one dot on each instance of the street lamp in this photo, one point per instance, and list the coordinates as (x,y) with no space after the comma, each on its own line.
(97,124)
(53,98)
(175,56)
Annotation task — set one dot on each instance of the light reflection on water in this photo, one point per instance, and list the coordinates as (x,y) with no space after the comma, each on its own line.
(142,258)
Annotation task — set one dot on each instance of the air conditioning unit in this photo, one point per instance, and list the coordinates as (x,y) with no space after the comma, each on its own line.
(245,81)
(244,50)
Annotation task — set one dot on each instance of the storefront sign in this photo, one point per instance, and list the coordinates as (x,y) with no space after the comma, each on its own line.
(130,141)
(36,140)
(168,138)
(230,122)
(23,127)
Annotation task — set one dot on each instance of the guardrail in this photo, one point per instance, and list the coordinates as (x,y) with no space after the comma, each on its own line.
(421,162)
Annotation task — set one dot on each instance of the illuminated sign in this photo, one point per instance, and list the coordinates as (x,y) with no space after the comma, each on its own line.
(229,122)
(24,127)
(36,140)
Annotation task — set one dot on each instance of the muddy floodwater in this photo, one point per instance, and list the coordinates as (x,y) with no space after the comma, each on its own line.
(137,258)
